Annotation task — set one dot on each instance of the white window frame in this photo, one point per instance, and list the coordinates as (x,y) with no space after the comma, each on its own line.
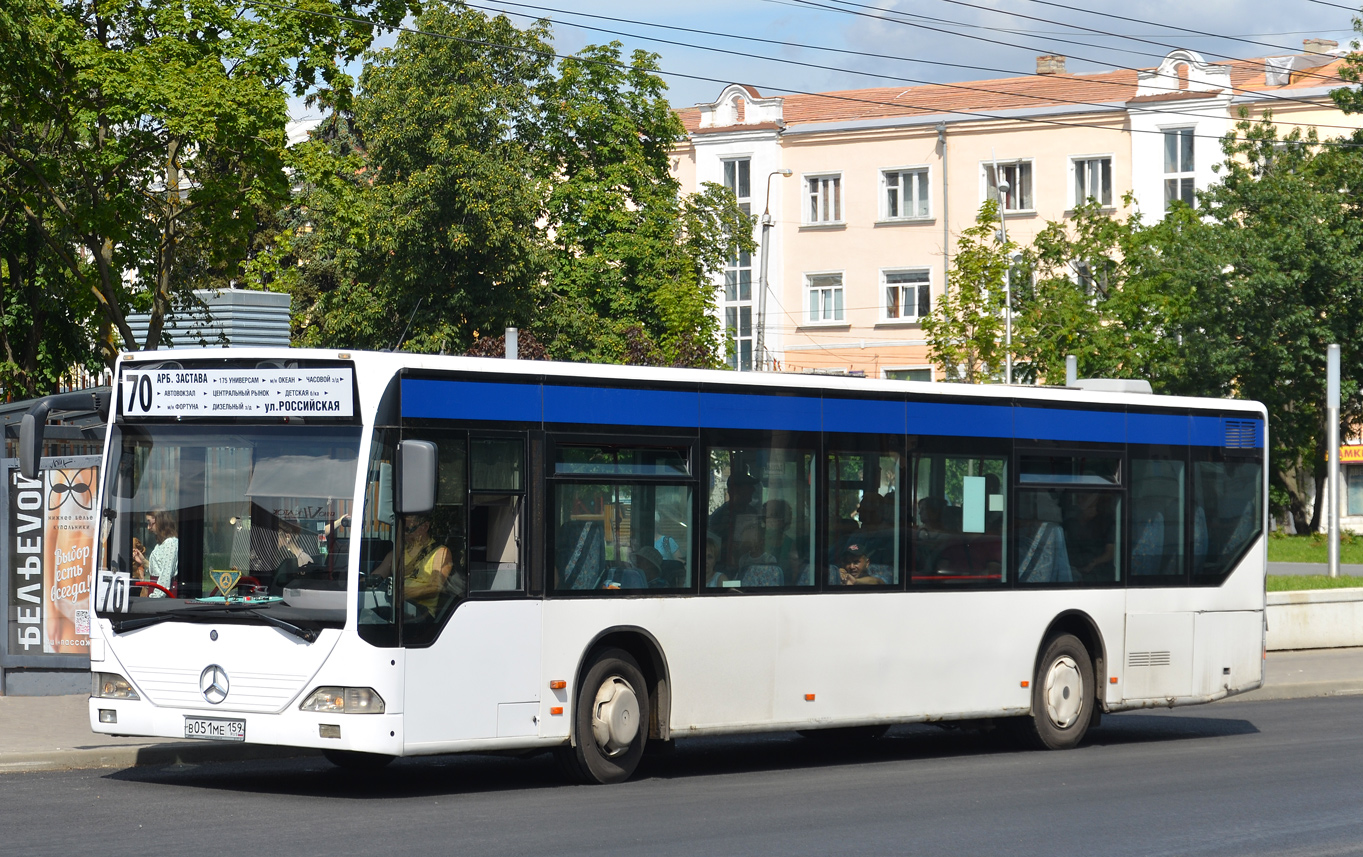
(805,219)
(733,266)
(885,317)
(1180,175)
(987,171)
(1075,161)
(932,371)
(809,318)
(885,216)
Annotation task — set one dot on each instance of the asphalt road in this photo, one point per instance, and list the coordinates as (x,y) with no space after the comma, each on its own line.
(1233,778)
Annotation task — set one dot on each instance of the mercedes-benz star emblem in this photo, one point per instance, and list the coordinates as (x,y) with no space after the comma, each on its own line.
(213,684)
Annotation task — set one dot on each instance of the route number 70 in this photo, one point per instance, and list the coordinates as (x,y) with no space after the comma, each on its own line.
(111,591)
(138,387)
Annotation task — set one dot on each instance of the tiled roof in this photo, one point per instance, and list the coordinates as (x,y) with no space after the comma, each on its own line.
(1009,93)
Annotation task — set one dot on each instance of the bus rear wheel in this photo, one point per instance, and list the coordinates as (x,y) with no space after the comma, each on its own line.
(610,720)
(1063,697)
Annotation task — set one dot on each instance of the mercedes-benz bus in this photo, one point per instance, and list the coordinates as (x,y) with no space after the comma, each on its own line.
(385,554)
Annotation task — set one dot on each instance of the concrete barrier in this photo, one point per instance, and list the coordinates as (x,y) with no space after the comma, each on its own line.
(1315,619)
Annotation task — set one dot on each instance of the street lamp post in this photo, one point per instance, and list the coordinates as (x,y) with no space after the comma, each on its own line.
(762,275)
(1332,415)
(1003,187)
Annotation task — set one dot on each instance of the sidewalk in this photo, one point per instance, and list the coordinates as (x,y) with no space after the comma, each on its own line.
(44,733)
(1307,568)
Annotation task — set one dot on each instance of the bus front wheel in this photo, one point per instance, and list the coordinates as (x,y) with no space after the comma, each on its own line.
(610,720)
(1063,696)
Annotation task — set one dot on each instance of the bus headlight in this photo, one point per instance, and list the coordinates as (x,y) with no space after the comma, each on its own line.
(344,700)
(111,686)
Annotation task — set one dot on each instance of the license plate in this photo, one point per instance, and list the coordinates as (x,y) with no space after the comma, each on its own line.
(215,728)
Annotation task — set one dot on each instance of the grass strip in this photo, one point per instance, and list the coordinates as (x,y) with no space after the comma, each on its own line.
(1294,582)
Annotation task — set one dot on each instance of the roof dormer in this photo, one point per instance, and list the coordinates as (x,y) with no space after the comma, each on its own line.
(1183,71)
(738,106)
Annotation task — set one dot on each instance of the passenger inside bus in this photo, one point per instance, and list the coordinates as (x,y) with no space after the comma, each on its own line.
(426,569)
(162,564)
(854,568)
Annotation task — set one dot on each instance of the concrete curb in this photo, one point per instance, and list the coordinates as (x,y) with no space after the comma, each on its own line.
(1301,690)
(141,755)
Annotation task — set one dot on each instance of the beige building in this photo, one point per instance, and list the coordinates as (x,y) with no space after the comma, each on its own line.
(869,189)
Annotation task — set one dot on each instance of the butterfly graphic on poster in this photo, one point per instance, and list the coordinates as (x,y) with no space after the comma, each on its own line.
(75,486)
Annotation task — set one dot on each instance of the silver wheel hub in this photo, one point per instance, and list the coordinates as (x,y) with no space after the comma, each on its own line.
(615,716)
(1064,692)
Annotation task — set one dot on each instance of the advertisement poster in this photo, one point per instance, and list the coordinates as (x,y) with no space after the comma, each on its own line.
(52,555)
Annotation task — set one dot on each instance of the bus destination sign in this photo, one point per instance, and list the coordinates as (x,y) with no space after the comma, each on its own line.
(313,392)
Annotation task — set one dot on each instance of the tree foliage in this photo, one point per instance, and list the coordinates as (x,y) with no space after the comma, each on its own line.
(478,185)
(142,140)
(965,331)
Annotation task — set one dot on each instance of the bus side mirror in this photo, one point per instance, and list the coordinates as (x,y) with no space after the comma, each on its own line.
(417,463)
(31,440)
(35,421)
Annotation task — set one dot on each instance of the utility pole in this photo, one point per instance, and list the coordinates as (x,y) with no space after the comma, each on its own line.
(1332,417)
(762,276)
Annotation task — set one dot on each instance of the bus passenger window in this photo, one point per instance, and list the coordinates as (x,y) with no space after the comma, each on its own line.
(1067,536)
(626,537)
(864,516)
(959,532)
(1227,513)
(1158,513)
(759,518)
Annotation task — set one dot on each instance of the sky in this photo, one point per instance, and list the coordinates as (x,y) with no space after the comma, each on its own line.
(915,41)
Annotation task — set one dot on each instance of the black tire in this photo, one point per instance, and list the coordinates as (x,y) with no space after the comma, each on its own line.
(352,760)
(609,747)
(845,734)
(1063,697)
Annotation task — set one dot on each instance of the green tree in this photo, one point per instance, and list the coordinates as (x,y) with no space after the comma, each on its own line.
(476,187)
(628,253)
(428,207)
(965,331)
(1289,219)
(151,135)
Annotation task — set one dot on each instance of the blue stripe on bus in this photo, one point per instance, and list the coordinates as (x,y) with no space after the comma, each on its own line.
(966,420)
(1063,424)
(471,400)
(740,411)
(615,405)
(868,416)
(1166,429)
(477,400)
(1208,431)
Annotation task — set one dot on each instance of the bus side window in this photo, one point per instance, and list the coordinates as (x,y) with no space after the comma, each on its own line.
(496,497)
(959,520)
(1158,520)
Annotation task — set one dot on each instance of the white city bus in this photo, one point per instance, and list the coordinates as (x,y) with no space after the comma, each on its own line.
(442,555)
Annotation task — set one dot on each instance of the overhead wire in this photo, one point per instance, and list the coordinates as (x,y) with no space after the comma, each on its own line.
(724,81)
(878,75)
(908,23)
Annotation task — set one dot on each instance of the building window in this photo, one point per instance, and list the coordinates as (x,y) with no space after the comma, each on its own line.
(908,295)
(1354,490)
(824,195)
(920,374)
(1178,166)
(906,194)
(738,177)
(1093,180)
(825,298)
(1018,174)
(738,312)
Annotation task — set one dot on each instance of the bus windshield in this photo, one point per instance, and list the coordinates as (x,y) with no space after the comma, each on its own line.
(191,507)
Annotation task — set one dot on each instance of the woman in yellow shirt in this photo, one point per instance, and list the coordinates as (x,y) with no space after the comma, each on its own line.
(426,564)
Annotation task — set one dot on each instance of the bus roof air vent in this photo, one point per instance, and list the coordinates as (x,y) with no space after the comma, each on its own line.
(1114,385)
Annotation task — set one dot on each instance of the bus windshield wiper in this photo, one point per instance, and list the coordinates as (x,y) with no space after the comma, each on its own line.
(306,634)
